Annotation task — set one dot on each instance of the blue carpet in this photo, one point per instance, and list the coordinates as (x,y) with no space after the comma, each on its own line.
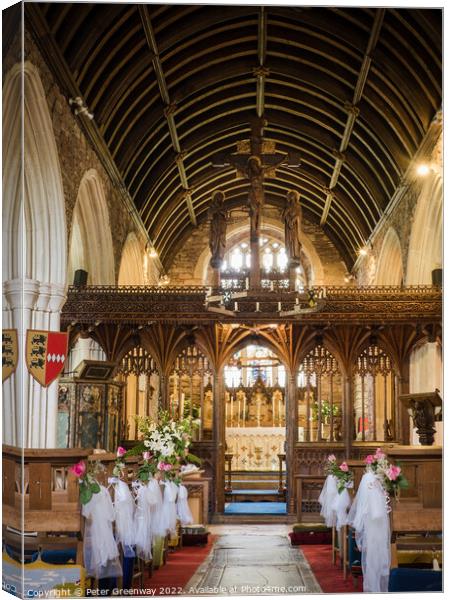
(256,508)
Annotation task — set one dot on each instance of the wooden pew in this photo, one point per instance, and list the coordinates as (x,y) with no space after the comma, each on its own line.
(415,530)
(44,488)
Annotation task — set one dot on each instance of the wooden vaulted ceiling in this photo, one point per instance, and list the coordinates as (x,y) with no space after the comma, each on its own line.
(352,91)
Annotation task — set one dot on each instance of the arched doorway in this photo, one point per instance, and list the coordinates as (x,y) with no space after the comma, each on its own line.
(255,432)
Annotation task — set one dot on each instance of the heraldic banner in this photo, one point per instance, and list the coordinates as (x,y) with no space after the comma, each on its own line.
(46,352)
(10,353)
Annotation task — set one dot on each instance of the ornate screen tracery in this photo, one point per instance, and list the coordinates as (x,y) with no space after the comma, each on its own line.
(139,371)
(374,396)
(320,397)
(191,389)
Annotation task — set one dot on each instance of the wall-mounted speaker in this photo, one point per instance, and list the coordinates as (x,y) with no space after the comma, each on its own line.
(80,278)
(437,277)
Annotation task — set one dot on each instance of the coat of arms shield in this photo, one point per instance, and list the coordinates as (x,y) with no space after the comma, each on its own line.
(10,353)
(46,352)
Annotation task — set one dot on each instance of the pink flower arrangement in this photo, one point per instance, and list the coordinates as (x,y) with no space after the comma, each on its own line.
(79,470)
(344,467)
(146,455)
(393,472)
(331,458)
(389,475)
(379,455)
(121,451)
(163,466)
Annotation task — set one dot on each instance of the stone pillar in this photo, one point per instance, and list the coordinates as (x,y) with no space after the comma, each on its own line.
(31,305)
(219,439)
(291,424)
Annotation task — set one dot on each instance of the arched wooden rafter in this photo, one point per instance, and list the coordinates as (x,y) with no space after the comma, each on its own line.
(351,90)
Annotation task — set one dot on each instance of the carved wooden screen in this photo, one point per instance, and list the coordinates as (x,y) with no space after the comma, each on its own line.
(139,371)
(374,396)
(320,397)
(191,389)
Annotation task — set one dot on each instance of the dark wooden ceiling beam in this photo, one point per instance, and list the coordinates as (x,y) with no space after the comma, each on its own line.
(170,108)
(353,110)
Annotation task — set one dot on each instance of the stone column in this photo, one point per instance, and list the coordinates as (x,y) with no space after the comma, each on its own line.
(30,409)
(219,439)
(291,424)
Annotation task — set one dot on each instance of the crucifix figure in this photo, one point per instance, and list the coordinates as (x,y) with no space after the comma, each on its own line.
(255,160)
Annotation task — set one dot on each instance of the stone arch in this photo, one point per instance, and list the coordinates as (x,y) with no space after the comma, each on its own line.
(91,247)
(34,248)
(390,269)
(131,271)
(425,249)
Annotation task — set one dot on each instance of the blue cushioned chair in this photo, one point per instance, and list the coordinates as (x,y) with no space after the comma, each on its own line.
(403,579)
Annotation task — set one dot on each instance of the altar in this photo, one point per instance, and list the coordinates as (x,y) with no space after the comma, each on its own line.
(255,448)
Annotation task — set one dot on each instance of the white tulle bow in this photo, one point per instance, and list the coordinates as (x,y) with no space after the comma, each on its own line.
(143,521)
(169,507)
(101,553)
(340,506)
(369,517)
(327,498)
(124,506)
(184,512)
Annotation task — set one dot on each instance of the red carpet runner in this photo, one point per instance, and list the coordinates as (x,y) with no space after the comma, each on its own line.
(170,579)
(329,576)
(181,565)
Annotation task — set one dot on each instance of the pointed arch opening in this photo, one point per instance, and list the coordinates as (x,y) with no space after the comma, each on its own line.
(390,269)
(91,247)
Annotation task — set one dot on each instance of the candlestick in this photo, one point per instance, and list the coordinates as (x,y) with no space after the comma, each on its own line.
(297,300)
(236,306)
(279,306)
(246,283)
(257,307)
(272,285)
(238,414)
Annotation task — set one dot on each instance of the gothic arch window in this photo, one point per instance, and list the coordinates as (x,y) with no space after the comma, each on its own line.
(190,389)
(374,403)
(320,397)
(273,264)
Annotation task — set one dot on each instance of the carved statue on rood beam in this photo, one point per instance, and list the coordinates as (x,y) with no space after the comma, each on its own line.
(292,217)
(218,225)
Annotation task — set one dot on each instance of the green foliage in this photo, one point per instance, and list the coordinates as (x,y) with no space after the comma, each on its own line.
(191,458)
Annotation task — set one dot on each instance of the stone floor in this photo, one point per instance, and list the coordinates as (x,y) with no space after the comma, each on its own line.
(252,560)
